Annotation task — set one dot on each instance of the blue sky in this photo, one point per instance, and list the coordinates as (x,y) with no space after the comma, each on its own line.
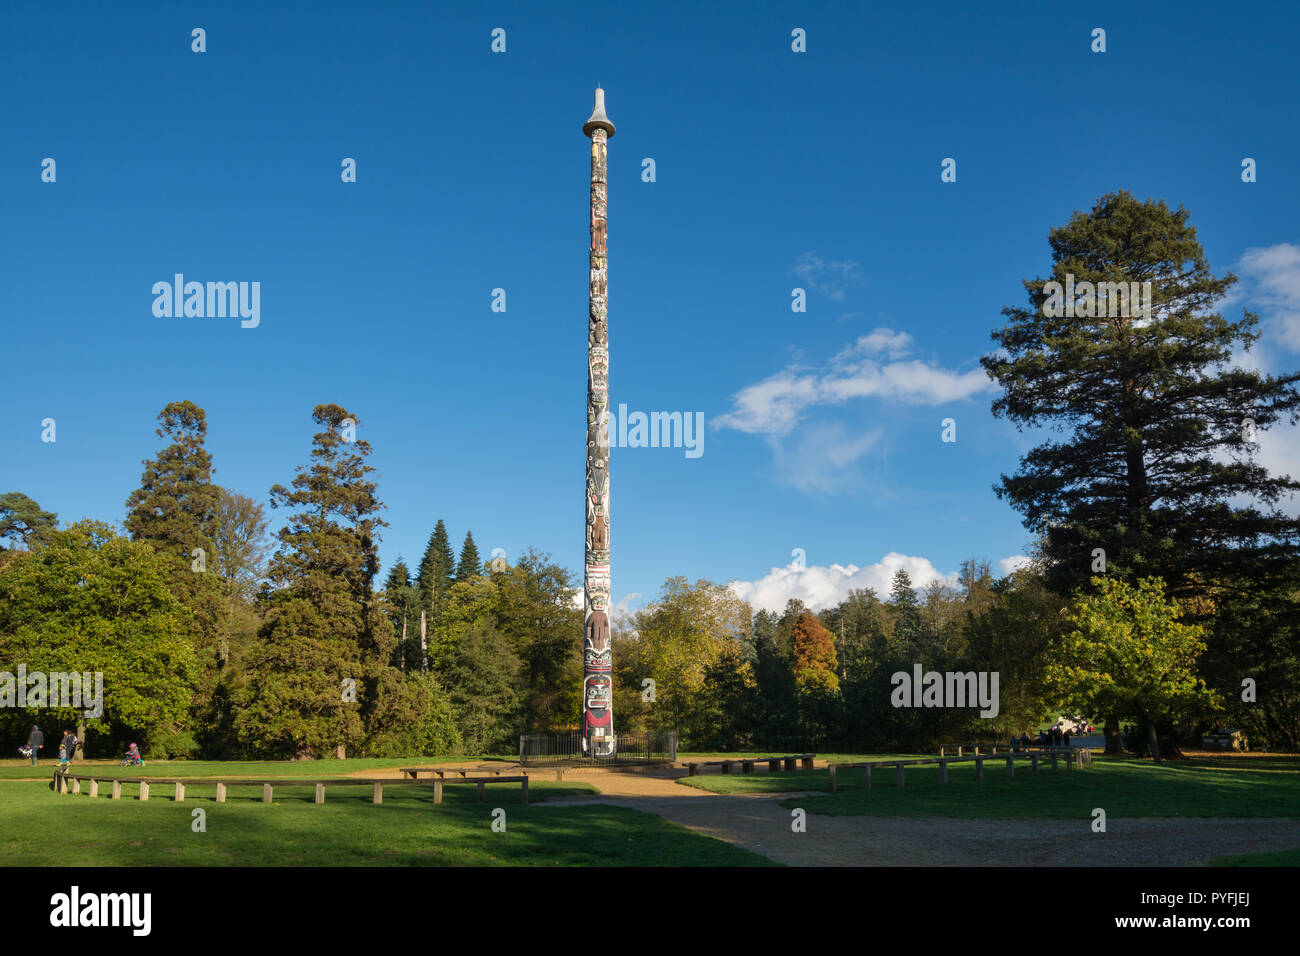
(774,170)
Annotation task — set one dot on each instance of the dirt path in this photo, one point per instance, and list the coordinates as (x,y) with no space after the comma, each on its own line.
(756,822)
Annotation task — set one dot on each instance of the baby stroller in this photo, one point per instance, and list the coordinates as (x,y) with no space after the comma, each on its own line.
(25,751)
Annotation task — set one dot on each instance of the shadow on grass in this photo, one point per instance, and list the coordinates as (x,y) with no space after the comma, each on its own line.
(347,830)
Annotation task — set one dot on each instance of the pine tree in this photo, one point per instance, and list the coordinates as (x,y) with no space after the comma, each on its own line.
(174,506)
(325,632)
(908,626)
(175,511)
(24,520)
(437,571)
(469,565)
(1155,476)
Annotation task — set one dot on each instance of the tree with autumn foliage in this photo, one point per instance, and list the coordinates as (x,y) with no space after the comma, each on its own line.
(817,685)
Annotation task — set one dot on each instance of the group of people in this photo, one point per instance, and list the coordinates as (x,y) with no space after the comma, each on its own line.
(68,748)
(1057,736)
(36,743)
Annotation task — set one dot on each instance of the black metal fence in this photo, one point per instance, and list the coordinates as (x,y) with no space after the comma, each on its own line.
(563,750)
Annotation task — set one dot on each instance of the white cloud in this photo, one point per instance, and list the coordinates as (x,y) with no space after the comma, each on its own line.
(822,457)
(1012,564)
(1279,452)
(820,587)
(775,405)
(1274,274)
(1272,288)
(828,278)
(624,606)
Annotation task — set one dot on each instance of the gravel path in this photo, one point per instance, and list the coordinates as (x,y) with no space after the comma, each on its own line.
(756,822)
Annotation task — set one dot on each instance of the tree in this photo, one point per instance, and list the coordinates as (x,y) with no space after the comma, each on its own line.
(404,610)
(239,543)
(89,601)
(437,571)
(817,686)
(1154,472)
(534,609)
(175,510)
(174,507)
(482,681)
(815,663)
(1127,653)
(908,627)
(1015,636)
(469,565)
(773,640)
(23,520)
(325,632)
(679,636)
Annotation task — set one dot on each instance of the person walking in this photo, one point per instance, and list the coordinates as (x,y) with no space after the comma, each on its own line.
(35,741)
(67,748)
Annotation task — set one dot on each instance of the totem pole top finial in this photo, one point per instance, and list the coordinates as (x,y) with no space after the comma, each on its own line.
(598,119)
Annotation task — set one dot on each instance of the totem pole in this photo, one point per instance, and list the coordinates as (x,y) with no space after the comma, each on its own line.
(597,691)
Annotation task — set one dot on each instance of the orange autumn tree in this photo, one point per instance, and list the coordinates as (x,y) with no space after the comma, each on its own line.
(817,686)
(815,662)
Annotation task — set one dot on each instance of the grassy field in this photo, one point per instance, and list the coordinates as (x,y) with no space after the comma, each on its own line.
(40,828)
(1209,787)
(1276,858)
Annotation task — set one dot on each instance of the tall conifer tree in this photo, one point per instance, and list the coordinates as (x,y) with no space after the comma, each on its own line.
(469,565)
(1156,468)
(174,510)
(326,641)
(437,570)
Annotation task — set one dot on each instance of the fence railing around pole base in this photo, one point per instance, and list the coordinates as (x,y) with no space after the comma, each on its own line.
(1078,758)
(564,750)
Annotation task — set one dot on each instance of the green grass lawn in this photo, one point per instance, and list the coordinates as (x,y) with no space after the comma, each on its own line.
(1124,787)
(40,828)
(783,781)
(1274,858)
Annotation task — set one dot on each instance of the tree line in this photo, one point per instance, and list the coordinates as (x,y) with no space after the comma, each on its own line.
(217,641)
(1163,589)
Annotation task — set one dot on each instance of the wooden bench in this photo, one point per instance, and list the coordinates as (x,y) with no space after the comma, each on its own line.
(693,768)
(1081,758)
(414,772)
(522,780)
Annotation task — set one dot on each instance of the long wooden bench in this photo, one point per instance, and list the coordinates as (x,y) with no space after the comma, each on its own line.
(1079,757)
(414,772)
(63,782)
(439,782)
(693,767)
